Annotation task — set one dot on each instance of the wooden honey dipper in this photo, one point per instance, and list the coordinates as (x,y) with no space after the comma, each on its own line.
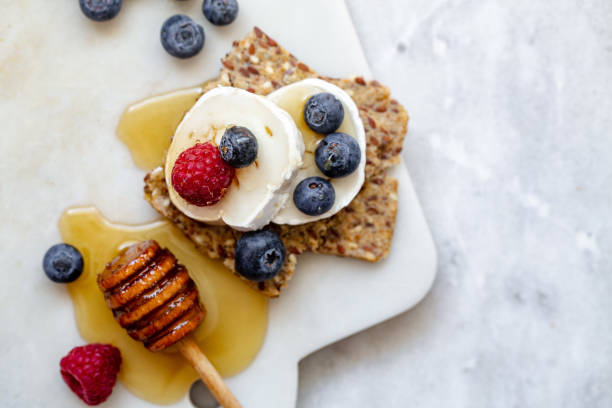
(152,296)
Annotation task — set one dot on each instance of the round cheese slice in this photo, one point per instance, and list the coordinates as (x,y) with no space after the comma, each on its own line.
(259,190)
(293,98)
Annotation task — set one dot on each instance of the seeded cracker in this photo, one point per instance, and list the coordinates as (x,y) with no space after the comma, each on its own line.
(364,229)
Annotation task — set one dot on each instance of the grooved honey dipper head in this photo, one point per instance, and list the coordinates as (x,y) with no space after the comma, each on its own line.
(151,295)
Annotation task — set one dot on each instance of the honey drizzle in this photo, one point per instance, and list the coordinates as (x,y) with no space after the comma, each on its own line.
(231,335)
(147,127)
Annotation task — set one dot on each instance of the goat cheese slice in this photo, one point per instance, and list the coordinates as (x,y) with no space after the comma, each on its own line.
(293,98)
(258,191)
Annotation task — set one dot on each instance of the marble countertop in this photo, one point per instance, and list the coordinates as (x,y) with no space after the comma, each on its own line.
(509,148)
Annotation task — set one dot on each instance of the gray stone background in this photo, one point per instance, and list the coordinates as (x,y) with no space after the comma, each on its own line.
(510,150)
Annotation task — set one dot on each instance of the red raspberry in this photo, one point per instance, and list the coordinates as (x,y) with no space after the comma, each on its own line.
(91,371)
(200,175)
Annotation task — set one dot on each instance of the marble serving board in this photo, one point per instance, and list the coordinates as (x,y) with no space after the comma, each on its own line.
(64,82)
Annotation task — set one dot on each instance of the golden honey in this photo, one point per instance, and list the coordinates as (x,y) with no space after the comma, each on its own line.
(147,127)
(231,335)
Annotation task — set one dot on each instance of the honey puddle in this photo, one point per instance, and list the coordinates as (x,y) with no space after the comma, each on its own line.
(147,127)
(237,316)
(231,335)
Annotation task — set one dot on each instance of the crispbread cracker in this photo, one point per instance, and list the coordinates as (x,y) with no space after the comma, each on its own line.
(258,64)
(361,230)
(364,229)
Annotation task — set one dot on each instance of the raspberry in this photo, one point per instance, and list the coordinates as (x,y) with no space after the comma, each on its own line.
(200,175)
(91,371)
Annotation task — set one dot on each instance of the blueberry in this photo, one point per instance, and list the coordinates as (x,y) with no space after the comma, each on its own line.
(323,113)
(337,155)
(182,37)
(259,255)
(100,10)
(63,263)
(220,12)
(314,196)
(238,146)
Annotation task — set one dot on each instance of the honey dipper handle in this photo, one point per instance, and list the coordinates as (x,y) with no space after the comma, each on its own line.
(207,372)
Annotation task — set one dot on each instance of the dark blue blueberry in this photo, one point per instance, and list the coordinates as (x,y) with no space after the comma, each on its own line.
(259,255)
(337,155)
(63,263)
(182,37)
(220,12)
(314,196)
(323,113)
(100,10)
(238,147)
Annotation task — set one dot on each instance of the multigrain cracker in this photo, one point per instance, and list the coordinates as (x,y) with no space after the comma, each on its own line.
(364,229)
(258,64)
(361,230)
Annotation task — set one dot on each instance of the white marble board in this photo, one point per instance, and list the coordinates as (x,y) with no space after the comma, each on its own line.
(64,82)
